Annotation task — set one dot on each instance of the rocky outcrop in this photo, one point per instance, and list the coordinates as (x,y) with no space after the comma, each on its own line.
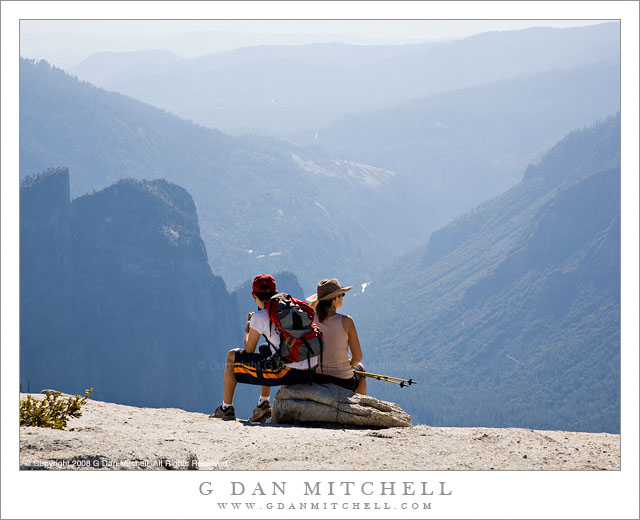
(117,294)
(156,321)
(332,404)
(45,278)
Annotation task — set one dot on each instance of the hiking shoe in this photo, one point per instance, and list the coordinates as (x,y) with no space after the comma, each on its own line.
(261,413)
(226,415)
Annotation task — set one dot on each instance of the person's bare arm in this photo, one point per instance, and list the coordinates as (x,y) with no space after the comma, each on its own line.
(251,336)
(354,342)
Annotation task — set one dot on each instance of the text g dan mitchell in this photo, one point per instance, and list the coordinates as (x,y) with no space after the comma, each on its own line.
(334,489)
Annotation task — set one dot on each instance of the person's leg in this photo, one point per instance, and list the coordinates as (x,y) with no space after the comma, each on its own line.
(243,367)
(230,380)
(265,391)
(226,411)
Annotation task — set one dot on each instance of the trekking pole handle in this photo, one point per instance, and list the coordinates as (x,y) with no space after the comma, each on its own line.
(386,378)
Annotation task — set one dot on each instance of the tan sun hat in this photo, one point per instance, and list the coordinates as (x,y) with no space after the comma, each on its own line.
(327,289)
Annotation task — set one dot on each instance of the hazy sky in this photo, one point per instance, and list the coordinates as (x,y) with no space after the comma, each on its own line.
(67,42)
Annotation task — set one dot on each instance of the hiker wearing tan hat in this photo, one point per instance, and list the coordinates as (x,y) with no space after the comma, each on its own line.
(342,353)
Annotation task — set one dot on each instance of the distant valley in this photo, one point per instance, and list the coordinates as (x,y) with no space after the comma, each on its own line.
(510,316)
(473,188)
(369,187)
(263,204)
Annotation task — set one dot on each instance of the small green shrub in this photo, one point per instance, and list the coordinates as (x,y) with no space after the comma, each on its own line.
(53,411)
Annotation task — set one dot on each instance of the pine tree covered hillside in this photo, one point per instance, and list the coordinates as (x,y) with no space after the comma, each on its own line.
(264,205)
(510,316)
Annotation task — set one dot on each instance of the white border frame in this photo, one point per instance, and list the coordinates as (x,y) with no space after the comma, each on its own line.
(174,495)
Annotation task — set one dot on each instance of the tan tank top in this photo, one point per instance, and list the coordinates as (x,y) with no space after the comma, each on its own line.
(335,358)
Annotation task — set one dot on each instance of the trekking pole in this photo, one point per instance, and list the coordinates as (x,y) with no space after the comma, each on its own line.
(369,374)
(388,379)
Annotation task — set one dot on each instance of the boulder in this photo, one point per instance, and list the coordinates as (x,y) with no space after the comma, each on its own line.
(333,404)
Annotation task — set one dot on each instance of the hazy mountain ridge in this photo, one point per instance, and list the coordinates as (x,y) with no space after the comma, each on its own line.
(521,306)
(464,146)
(579,152)
(110,66)
(292,88)
(102,66)
(241,186)
(364,209)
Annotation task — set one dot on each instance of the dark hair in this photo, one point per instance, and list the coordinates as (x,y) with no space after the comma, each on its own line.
(322,308)
(264,296)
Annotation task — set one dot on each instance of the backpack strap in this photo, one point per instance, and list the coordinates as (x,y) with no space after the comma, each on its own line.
(274,352)
(270,344)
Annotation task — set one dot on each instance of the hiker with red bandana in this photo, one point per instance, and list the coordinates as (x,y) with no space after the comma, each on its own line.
(264,367)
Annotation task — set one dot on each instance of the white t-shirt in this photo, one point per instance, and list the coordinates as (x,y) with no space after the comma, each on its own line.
(261,323)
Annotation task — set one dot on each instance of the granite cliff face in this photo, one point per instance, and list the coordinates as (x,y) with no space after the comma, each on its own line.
(45,277)
(146,304)
(130,304)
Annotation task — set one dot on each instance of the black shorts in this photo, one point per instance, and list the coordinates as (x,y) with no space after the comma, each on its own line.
(258,368)
(350,383)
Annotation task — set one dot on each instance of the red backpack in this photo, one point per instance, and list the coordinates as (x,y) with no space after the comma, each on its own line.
(300,338)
